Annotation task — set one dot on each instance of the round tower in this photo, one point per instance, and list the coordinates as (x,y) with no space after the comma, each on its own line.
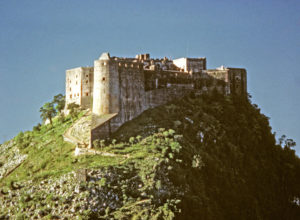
(106,86)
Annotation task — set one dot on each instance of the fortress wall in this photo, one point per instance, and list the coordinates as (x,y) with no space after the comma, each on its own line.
(134,99)
(101,127)
(221,80)
(238,81)
(73,86)
(131,98)
(218,74)
(158,97)
(161,79)
(123,89)
(101,132)
(132,91)
(87,79)
(147,100)
(106,86)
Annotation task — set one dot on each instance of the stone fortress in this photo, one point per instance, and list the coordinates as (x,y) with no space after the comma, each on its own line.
(119,89)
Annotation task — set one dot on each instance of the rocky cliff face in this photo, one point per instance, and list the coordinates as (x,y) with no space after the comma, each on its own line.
(10,158)
(207,157)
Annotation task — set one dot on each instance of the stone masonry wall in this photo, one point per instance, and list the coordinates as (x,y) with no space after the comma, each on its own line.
(79,86)
(73,85)
(134,99)
(87,84)
(122,88)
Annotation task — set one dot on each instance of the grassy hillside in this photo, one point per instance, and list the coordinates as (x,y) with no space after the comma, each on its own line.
(208,157)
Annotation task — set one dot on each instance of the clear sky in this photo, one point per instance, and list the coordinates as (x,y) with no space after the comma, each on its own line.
(40,39)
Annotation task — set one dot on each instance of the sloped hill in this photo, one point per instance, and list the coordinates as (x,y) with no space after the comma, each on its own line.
(208,157)
(232,167)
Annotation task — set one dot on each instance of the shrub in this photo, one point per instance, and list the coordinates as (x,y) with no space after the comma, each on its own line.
(96,143)
(37,128)
(131,140)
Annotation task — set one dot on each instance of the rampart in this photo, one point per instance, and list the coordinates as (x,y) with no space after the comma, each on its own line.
(120,89)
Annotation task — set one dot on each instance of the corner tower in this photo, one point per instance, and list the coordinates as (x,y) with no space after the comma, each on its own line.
(106,86)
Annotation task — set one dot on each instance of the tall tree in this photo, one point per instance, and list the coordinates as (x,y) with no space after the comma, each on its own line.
(59,101)
(48,111)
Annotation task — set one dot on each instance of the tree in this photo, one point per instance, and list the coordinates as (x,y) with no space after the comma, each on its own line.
(59,101)
(37,127)
(48,112)
(286,143)
(74,108)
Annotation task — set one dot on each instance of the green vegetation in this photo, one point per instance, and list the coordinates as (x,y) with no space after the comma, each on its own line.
(208,157)
(232,166)
(48,154)
(74,108)
(59,102)
(48,112)
(51,109)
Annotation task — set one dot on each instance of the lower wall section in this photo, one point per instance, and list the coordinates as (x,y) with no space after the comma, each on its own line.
(161,96)
(101,132)
(101,126)
(108,124)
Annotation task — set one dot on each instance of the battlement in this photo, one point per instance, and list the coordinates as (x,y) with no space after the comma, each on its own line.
(130,64)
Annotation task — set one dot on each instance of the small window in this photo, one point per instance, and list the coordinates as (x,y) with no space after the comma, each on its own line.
(70,89)
(70,96)
(87,82)
(76,82)
(77,94)
(103,79)
(104,63)
(86,75)
(76,76)
(87,94)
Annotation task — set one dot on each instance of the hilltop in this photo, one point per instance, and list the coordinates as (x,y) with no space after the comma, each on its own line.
(200,157)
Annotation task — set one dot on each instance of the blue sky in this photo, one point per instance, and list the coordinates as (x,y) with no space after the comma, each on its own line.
(39,40)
